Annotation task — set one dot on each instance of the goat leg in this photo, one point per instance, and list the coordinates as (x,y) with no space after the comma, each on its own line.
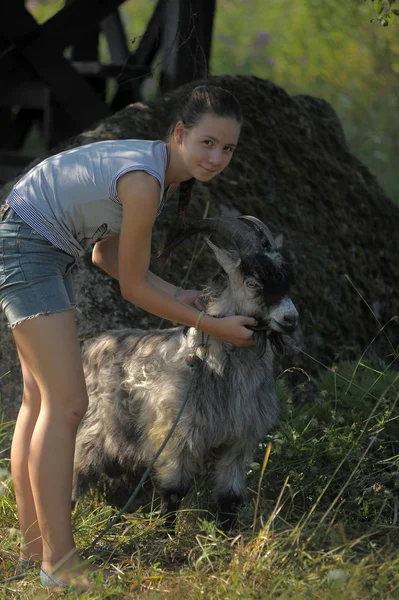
(227,510)
(229,487)
(170,502)
(82,481)
(174,478)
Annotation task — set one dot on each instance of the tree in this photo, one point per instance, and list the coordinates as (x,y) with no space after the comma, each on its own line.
(385,11)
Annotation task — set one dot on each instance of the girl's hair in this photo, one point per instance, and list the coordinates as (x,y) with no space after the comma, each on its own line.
(202,100)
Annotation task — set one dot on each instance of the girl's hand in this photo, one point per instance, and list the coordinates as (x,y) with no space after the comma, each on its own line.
(230,329)
(191,297)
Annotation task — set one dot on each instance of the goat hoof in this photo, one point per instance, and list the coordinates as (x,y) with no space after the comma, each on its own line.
(227,523)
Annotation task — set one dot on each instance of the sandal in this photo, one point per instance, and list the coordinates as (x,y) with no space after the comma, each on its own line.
(25,565)
(49,580)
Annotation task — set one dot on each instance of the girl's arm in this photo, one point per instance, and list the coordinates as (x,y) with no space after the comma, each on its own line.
(105,256)
(139,194)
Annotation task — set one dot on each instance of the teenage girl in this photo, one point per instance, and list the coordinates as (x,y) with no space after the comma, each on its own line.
(108,193)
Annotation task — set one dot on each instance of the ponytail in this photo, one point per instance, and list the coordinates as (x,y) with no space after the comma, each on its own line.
(180,223)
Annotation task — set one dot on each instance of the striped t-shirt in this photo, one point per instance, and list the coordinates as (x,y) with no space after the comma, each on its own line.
(71,197)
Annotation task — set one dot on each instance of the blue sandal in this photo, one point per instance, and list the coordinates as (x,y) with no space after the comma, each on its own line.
(49,580)
(25,565)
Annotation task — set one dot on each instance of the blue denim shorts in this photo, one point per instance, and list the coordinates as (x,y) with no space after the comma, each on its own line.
(35,276)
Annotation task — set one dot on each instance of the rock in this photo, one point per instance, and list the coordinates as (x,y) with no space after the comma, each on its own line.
(293,169)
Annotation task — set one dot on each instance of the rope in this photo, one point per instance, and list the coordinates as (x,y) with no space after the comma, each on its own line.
(144,477)
(194,367)
(156,455)
(133,495)
(15,577)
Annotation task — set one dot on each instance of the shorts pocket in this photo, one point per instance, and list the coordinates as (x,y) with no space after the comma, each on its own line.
(10,266)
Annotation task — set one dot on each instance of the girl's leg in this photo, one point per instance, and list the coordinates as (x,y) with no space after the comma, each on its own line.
(25,425)
(49,347)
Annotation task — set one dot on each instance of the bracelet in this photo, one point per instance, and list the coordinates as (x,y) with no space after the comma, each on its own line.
(197,322)
(177,291)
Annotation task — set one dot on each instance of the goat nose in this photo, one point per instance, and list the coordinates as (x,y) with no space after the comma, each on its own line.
(290,321)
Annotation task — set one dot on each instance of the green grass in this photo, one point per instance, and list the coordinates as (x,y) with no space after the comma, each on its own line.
(326,507)
(320,522)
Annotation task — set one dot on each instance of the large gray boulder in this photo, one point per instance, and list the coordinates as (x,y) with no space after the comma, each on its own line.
(293,169)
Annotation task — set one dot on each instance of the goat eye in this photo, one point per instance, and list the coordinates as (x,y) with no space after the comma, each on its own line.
(251,284)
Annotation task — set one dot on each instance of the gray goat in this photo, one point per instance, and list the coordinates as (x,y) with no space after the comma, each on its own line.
(137,380)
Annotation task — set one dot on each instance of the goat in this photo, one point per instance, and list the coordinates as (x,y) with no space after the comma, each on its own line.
(137,380)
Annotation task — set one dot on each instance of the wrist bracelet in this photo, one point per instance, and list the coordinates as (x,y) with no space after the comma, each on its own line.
(200,315)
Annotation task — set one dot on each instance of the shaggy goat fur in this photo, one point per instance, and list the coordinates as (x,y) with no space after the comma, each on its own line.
(137,381)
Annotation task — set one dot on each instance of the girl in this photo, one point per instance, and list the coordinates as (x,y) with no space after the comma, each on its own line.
(108,193)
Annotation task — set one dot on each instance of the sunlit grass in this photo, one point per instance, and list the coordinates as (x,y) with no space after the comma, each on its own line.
(320,521)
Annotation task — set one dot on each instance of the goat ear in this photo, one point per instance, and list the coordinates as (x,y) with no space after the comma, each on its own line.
(229,260)
(279,241)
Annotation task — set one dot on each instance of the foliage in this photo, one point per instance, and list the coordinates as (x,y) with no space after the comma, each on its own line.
(328,507)
(385,11)
(326,49)
(347,434)
(327,519)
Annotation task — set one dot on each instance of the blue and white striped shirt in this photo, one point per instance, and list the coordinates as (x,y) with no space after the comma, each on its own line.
(71,197)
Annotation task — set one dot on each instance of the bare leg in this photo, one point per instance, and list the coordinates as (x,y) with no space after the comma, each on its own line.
(26,422)
(49,346)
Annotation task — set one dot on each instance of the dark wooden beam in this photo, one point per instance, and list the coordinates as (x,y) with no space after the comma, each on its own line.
(180,31)
(6,118)
(113,29)
(31,103)
(40,53)
(20,127)
(71,23)
(150,41)
(12,163)
(118,48)
(140,60)
(16,23)
(87,50)
(67,27)
(71,90)
(186,41)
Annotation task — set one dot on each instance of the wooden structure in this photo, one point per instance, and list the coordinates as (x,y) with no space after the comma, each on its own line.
(65,91)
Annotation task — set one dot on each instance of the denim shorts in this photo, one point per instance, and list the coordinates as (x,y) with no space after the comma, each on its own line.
(35,276)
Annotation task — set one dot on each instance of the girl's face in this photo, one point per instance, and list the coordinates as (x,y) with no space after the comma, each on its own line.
(207,148)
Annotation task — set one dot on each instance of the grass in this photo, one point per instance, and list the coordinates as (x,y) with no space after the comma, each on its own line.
(320,521)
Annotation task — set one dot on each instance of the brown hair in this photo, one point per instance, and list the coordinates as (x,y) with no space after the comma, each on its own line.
(202,100)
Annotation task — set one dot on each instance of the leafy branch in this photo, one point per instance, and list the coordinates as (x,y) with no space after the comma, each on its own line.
(385,11)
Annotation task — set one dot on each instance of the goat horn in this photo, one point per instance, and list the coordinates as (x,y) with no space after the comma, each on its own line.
(226,226)
(260,226)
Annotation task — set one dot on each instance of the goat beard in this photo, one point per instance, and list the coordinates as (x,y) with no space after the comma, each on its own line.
(279,342)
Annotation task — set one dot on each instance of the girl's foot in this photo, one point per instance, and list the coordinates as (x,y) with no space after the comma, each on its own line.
(49,580)
(78,576)
(26,564)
